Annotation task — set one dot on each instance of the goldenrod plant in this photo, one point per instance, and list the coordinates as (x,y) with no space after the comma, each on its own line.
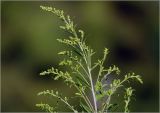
(79,75)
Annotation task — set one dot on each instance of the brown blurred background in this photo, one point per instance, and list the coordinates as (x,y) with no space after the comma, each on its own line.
(129,29)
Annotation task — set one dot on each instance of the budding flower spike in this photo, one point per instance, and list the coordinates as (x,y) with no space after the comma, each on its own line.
(79,75)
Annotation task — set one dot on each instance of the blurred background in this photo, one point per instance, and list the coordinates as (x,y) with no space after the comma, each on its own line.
(28,47)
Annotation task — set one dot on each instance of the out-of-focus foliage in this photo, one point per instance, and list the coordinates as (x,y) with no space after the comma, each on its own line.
(28,45)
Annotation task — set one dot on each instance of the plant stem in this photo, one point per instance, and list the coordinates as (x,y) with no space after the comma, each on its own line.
(83,77)
(64,101)
(89,70)
(90,78)
(84,96)
(106,104)
(93,92)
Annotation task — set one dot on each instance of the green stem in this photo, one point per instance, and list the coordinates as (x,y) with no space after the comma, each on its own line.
(89,72)
(93,92)
(83,77)
(84,96)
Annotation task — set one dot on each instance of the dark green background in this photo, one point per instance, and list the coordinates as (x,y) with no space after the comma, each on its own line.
(29,46)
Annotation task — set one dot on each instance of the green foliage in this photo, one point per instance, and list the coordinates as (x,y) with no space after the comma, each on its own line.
(127,97)
(45,107)
(56,95)
(79,75)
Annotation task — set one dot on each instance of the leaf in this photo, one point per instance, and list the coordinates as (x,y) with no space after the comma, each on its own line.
(82,33)
(112,106)
(98,86)
(56,92)
(62,53)
(85,107)
(78,52)
(57,77)
(78,94)
(139,79)
(45,107)
(109,92)
(62,27)
(65,98)
(99,96)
